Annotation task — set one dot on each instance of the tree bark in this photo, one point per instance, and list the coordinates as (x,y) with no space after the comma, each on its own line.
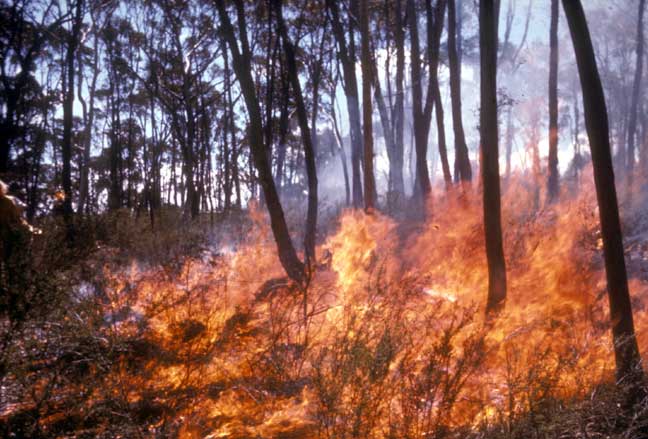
(351,91)
(67,115)
(490,156)
(367,109)
(552,181)
(463,170)
(441,139)
(87,138)
(636,91)
(420,137)
(340,144)
(307,139)
(243,69)
(398,115)
(626,351)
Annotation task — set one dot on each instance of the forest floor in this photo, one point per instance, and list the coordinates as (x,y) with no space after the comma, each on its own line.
(193,331)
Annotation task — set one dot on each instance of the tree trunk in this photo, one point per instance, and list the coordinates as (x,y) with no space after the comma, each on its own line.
(626,351)
(67,115)
(351,92)
(420,133)
(340,144)
(367,109)
(87,138)
(307,140)
(463,169)
(114,193)
(552,181)
(287,254)
(441,139)
(636,91)
(490,157)
(284,127)
(388,133)
(398,114)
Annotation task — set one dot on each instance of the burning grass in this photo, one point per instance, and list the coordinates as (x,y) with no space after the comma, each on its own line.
(391,343)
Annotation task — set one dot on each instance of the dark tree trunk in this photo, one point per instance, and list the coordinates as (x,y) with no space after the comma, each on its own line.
(284,127)
(552,181)
(114,192)
(628,360)
(87,137)
(490,156)
(388,133)
(463,170)
(307,139)
(347,59)
(340,144)
(420,133)
(287,254)
(422,115)
(398,115)
(636,91)
(67,115)
(367,109)
(441,139)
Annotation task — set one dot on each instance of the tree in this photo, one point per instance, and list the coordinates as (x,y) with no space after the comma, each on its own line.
(463,169)
(422,112)
(241,61)
(390,117)
(340,145)
(509,58)
(306,134)
(636,89)
(66,147)
(490,156)
(398,112)
(347,59)
(626,351)
(367,113)
(21,42)
(552,181)
(88,113)
(441,139)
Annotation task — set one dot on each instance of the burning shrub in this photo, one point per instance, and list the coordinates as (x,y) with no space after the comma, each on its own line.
(389,339)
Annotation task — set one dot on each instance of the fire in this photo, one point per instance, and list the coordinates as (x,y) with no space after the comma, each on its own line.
(394,338)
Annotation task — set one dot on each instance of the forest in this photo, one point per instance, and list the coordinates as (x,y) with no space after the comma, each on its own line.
(375,219)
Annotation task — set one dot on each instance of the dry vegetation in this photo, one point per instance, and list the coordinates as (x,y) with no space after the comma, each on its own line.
(159,334)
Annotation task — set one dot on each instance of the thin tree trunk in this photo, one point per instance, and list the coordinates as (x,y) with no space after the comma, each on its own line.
(67,115)
(420,134)
(284,127)
(626,351)
(552,181)
(87,137)
(287,254)
(490,156)
(463,170)
(367,109)
(636,92)
(441,139)
(388,133)
(398,115)
(343,157)
(307,140)
(347,59)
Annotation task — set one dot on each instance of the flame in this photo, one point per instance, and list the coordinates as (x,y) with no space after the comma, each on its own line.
(394,330)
